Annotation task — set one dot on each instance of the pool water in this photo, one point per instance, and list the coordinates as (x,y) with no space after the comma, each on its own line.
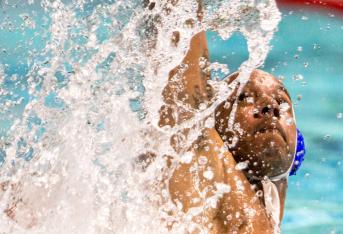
(307,54)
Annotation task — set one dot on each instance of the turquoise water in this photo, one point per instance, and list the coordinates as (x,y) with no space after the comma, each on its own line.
(310,44)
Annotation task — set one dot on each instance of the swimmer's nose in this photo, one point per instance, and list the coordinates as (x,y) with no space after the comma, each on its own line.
(271,110)
(268,108)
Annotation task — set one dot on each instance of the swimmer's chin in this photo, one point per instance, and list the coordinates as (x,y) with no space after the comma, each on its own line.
(270,158)
(271,145)
(272,162)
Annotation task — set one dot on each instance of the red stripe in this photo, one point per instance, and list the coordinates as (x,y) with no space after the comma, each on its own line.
(328,4)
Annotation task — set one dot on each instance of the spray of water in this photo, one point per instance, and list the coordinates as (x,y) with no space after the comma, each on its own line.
(95,89)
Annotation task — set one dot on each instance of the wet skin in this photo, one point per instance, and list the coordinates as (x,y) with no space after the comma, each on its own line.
(266,130)
(189,87)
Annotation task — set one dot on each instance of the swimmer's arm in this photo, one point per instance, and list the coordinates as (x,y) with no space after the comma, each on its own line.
(192,188)
(238,210)
(241,209)
(187,86)
(246,211)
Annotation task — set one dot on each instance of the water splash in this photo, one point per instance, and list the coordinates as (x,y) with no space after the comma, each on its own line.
(94,92)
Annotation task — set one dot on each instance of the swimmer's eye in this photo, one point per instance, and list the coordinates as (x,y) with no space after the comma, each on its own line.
(280,101)
(283,96)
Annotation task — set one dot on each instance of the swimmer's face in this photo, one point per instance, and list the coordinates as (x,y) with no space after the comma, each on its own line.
(264,128)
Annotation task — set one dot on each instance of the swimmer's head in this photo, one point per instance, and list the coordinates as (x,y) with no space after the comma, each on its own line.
(264,131)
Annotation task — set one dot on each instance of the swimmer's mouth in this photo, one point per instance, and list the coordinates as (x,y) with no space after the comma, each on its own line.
(273,128)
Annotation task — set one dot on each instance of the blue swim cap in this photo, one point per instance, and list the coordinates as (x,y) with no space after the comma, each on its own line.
(299,154)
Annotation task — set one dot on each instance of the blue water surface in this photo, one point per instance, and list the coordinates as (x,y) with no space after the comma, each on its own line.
(307,53)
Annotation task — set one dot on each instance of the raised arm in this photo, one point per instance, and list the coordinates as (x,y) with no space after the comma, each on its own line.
(187,84)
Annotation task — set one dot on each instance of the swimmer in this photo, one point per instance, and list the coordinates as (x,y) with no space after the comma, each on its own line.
(237,176)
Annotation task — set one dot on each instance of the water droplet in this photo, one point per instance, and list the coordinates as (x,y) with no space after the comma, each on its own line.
(237,214)
(187,157)
(339,115)
(165,193)
(202,160)
(259,193)
(202,106)
(208,174)
(289,121)
(209,123)
(298,77)
(222,188)
(250,100)
(326,137)
(316,46)
(241,165)
(284,107)
(213,202)
(227,105)
(281,77)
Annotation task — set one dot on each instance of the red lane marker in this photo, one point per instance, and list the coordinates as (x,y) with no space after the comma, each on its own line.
(336,5)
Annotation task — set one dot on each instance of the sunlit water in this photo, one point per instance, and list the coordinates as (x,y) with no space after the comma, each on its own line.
(81,87)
